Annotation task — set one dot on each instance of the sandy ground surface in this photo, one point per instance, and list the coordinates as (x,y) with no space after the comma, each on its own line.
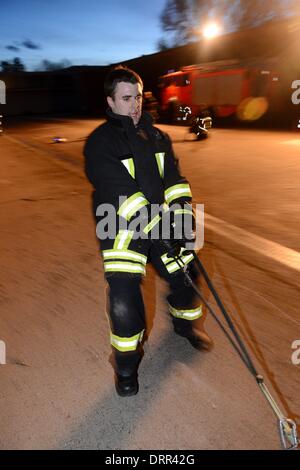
(57,388)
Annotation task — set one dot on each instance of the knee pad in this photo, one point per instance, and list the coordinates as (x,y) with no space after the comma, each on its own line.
(126,306)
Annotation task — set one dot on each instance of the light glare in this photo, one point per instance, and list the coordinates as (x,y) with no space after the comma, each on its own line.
(211,30)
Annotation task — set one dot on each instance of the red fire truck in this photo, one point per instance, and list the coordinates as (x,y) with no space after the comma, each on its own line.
(224,88)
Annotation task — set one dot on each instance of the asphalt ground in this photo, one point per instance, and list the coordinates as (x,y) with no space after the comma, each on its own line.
(57,386)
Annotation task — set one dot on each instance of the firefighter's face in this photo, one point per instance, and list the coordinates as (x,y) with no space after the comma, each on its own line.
(127,100)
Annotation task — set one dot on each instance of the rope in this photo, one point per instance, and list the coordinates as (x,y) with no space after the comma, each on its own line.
(288,429)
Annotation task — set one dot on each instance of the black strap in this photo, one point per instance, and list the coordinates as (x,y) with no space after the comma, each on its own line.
(236,342)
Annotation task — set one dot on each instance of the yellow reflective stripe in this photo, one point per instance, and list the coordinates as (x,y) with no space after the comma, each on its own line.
(160,156)
(152,224)
(123,239)
(126,344)
(166,207)
(189,314)
(129,165)
(126,254)
(176,191)
(173,266)
(166,260)
(183,211)
(123,267)
(132,205)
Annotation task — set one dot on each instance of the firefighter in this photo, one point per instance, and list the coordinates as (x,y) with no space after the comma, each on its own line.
(133,170)
(150,104)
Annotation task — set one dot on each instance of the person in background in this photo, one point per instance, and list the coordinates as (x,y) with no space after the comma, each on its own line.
(150,104)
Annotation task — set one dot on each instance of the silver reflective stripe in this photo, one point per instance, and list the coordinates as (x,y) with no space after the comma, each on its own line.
(123,266)
(126,254)
(123,239)
(188,314)
(129,165)
(126,344)
(160,159)
(176,191)
(165,259)
(172,265)
(132,205)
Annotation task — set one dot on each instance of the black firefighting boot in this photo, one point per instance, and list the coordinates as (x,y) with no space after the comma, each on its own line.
(126,375)
(197,338)
(126,386)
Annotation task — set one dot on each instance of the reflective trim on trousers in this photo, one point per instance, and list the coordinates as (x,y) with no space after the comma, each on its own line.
(124,267)
(126,344)
(125,255)
(188,314)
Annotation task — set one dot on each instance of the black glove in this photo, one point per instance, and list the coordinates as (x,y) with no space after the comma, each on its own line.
(176,230)
(172,247)
(176,235)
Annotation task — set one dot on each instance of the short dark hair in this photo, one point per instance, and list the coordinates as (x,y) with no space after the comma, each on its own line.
(119,74)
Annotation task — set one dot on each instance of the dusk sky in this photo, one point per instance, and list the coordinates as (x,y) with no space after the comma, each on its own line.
(86,32)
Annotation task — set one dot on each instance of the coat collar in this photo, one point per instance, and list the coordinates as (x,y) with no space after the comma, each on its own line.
(126,121)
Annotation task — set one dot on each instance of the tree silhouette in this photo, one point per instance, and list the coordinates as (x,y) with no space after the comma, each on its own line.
(15,65)
(181,20)
(49,66)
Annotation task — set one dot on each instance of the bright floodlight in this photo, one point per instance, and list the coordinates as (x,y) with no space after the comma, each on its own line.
(211,30)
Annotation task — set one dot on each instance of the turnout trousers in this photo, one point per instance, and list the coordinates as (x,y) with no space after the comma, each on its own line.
(125,306)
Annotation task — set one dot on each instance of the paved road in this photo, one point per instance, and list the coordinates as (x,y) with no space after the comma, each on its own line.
(247,178)
(57,389)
